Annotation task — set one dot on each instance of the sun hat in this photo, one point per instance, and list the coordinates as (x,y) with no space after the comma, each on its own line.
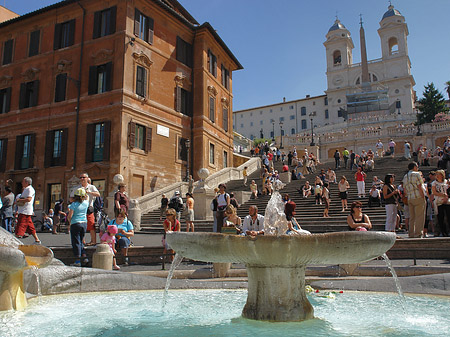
(111,229)
(81,192)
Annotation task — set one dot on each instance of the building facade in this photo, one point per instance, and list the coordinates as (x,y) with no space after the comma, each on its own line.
(134,87)
(390,91)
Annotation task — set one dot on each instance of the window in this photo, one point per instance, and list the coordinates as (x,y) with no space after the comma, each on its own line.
(60,88)
(33,45)
(184,52)
(225,118)
(29,93)
(393,46)
(242,126)
(251,123)
(251,114)
(272,135)
(56,147)
(325,100)
(327,114)
(212,109)
(270,110)
(281,108)
(282,132)
(292,117)
(8,51)
(143,26)
(272,120)
(291,107)
(3,149)
(104,22)
(25,151)
(97,141)
(5,100)
(211,154)
(398,104)
(64,34)
(100,78)
(212,63)
(281,119)
(54,193)
(140,137)
(183,101)
(340,112)
(261,112)
(261,122)
(292,131)
(304,126)
(141,81)
(337,58)
(303,111)
(182,150)
(225,159)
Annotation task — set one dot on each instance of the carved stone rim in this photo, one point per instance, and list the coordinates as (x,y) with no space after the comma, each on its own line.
(212,90)
(142,59)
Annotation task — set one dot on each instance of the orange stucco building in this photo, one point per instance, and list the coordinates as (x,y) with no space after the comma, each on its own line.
(112,87)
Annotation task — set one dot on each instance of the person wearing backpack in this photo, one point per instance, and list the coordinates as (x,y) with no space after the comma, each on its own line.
(121,199)
(177,204)
(223,200)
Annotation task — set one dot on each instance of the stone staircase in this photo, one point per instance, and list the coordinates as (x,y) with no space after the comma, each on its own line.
(308,213)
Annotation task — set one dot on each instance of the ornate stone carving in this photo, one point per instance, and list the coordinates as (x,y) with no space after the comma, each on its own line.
(63,66)
(225,101)
(213,91)
(5,80)
(102,56)
(179,79)
(142,59)
(30,74)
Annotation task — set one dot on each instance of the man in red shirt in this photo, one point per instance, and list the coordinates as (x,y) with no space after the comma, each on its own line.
(270,157)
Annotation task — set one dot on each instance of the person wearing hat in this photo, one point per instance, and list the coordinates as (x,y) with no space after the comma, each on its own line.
(176,203)
(293,226)
(78,224)
(121,199)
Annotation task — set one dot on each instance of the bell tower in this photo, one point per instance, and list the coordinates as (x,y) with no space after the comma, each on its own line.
(393,33)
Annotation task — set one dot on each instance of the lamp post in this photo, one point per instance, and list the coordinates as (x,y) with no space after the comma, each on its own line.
(312,131)
(419,132)
(187,143)
(273,131)
(261,133)
(281,135)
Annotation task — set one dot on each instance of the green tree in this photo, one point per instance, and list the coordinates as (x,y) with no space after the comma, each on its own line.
(447,88)
(430,105)
(257,141)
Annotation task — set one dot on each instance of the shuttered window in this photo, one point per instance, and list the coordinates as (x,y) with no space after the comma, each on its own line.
(25,151)
(143,26)
(211,154)
(141,81)
(8,51)
(3,150)
(182,150)
(29,93)
(60,87)
(139,137)
(212,63)
(184,52)
(212,109)
(183,101)
(225,77)
(100,78)
(5,100)
(64,34)
(225,118)
(33,45)
(56,147)
(104,22)
(98,138)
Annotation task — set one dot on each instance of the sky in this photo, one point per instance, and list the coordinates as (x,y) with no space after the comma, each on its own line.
(280,42)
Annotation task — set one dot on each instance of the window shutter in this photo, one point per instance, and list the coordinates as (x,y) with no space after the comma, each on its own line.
(179,51)
(148,139)
(49,140)
(19,153)
(189,55)
(151,24)
(97,24)
(90,129)
(8,99)
(112,17)
(131,135)
(22,99)
(60,90)
(71,32)
(7,51)
(35,38)
(107,139)
(178,99)
(3,158)
(109,77)
(57,39)
(32,147)
(137,15)
(35,93)
(92,80)
(65,136)
(214,65)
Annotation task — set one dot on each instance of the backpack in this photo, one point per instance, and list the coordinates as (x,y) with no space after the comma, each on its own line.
(98,204)
(175,204)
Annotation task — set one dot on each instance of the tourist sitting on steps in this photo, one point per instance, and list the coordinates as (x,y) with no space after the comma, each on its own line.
(253,222)
(293,226)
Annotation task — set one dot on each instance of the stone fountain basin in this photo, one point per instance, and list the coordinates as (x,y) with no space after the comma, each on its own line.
(36,255)
(282,251)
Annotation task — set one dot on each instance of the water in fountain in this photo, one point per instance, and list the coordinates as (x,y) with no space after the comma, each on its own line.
(396,280)
(34,270)
(175,263)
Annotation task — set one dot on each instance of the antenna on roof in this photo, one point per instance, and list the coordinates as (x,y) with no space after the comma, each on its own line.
(337,15)
(360,19)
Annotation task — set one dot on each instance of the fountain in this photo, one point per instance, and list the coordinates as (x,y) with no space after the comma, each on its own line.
(276,263)
(14,259)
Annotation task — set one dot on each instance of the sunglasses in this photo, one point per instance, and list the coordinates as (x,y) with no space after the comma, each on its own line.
(83,177)
(357,207)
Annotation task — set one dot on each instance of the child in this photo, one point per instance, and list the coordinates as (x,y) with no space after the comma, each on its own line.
(318,193)
(245,174)
(109,237)
(326,200)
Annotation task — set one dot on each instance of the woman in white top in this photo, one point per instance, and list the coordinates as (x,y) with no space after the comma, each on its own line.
(343,186)
(439,189)
(306,190)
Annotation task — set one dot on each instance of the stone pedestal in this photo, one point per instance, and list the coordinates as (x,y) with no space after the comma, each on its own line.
(277,294)
(134,214)
(103,257)
(202,206)
(221,269)
(285,177)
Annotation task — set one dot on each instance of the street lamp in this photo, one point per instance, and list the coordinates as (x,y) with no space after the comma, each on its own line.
(419,132)
(187,143)
(281,135)
(312,131)
(273,131)
(261,133)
